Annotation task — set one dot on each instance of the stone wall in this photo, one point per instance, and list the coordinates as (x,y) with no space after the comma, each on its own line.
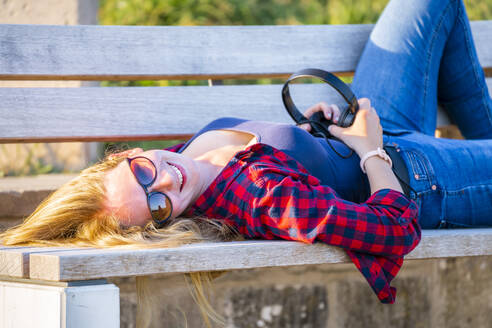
(22,159)
(452,293)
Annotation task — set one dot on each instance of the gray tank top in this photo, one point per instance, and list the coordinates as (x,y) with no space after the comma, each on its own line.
(343,175)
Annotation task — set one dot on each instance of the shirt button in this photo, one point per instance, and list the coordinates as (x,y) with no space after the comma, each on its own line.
(416,176)
(434,187)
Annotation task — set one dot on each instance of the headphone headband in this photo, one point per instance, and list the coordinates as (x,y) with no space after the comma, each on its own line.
(326,77)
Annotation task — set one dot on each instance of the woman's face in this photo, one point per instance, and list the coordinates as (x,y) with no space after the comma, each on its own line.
(126,198)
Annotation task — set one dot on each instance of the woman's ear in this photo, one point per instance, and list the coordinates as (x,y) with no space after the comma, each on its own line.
(127,153)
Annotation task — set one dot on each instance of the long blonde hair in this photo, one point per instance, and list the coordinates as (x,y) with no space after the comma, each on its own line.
(74,215)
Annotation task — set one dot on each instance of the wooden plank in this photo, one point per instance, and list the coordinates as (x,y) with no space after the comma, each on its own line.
(10,263)
(453,243)
(197,257)
(133,113)
(482,37)
(143,113)
(43,52)
(14,261)
(168,52)
(90,264)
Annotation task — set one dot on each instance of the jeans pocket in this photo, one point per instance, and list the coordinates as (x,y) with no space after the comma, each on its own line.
(422,180)
(419,165)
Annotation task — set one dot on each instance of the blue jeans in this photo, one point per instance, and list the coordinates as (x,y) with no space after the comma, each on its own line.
(421,54)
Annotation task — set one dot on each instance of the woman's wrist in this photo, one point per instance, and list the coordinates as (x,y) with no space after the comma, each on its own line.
(361,151)
(380,175)
(378,152)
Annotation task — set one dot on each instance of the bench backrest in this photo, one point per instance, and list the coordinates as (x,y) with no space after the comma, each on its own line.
(96,53)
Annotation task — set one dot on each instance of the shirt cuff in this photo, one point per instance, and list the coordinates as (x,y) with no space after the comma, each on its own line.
(407,208)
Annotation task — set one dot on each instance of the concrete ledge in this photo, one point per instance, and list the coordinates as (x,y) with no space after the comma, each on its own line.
(19,196)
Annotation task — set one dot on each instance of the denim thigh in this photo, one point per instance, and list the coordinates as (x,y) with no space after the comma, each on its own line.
(451,179)
(419,53)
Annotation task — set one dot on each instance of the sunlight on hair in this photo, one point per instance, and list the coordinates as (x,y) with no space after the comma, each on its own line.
(74,216)
(200,283)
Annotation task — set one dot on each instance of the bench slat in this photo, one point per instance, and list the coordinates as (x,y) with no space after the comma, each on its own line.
(14,261)
(54,114)
(43,52)
(120,113)
(100,263)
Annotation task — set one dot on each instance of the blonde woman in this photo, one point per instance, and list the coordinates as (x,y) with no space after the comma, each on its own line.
(269,181)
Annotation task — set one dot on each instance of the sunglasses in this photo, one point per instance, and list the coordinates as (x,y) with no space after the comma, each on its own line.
(159,204)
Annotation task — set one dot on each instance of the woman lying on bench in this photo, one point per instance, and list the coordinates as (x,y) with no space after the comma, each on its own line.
(271,181)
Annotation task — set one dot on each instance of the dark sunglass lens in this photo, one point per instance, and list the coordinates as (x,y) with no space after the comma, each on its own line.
(160,206)
(143,169)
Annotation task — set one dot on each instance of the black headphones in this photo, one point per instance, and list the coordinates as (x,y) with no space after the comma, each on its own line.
(319,124)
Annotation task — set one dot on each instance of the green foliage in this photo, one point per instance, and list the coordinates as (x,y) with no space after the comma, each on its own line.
(254,12)
(112,147)
(479,9)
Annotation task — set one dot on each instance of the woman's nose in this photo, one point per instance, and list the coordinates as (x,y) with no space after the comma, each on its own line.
(165,180)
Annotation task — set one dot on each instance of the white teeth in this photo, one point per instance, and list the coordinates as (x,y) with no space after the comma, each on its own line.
(178,173)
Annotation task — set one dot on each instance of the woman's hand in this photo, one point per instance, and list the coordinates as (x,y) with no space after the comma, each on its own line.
(328,110)
(365,134)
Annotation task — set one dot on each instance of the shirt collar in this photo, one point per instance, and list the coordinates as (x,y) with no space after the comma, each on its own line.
(219,184)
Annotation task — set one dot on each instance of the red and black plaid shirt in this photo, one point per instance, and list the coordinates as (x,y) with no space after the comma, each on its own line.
(264,193)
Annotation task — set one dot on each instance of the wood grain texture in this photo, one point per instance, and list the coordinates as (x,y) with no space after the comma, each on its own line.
(97,263)
(14,260)
(135,112)
(43,52)
(143,113)
(163,52)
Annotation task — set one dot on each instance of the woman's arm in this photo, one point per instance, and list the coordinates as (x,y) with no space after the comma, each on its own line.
(381,175)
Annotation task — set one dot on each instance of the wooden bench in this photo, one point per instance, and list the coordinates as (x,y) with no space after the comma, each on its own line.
(67,287)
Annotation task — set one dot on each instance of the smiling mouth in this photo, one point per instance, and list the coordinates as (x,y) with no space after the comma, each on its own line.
(179,174)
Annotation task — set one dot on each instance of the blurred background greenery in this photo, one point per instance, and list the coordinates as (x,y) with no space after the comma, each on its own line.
(244,12)
(254,12)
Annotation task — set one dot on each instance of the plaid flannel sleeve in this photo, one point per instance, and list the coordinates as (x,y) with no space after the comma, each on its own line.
(386,224)
(376,234)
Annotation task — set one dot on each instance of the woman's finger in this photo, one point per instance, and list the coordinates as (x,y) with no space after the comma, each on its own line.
(329,111)
(336,113)
(315,108)
(306,127)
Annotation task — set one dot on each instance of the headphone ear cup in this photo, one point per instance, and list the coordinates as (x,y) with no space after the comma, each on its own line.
(346,118)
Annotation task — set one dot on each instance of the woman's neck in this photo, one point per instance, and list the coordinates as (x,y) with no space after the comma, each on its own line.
(212,151)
